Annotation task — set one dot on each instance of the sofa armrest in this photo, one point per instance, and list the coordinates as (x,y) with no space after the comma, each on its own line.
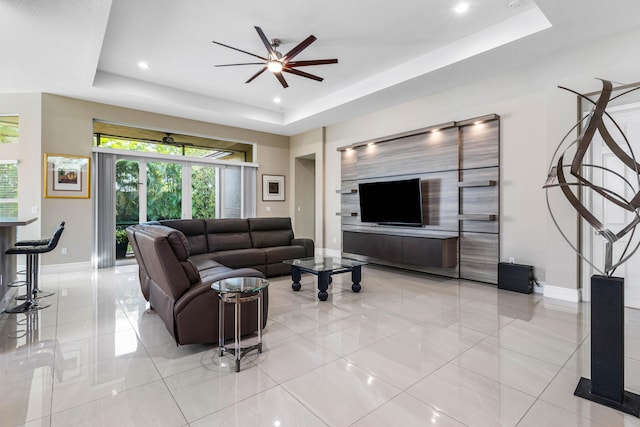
(309,246)
(205,285)
(194,292)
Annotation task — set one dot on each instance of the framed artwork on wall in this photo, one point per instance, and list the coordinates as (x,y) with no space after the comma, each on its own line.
(66,176)
(273,187)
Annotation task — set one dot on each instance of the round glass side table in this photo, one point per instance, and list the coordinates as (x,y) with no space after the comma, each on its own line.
(238,290)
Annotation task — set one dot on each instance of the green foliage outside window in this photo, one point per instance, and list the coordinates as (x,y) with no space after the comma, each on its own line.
(203,188)
(164,191)
(8,190)
(163,186)
(8,133)
(127,196)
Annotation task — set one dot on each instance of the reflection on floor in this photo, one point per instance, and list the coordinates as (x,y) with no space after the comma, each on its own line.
(407,350)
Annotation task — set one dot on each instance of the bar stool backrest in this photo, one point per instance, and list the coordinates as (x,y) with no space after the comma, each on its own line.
(53,242)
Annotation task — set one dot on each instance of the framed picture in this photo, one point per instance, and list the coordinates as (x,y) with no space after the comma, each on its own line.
(66,176)
(272,187)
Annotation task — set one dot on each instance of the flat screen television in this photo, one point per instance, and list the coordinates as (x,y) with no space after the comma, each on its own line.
(391,202)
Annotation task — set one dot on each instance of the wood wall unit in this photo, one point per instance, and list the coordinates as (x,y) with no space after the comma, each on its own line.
(459,168)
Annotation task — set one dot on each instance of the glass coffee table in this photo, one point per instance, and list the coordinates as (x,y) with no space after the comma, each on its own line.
(324,267)
(237,290)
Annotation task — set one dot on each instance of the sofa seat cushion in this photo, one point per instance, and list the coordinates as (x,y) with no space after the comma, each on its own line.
(205,262)
(239,258)
(280,253)
(214,272)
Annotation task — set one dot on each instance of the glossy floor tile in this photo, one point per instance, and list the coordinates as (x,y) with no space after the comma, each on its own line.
(408,350)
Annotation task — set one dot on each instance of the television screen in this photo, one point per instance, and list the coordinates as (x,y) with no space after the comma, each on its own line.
(391,202)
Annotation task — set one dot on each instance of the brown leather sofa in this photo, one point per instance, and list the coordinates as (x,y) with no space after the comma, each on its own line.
(180,294)
(259,243)
(209,250)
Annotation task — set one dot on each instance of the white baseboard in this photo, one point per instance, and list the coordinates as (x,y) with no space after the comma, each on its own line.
(564,294)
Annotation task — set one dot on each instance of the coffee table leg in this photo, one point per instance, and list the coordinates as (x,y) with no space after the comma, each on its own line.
(323,284)
(237,333)
(260,321)
(220,325)
(296,275)
(356,277)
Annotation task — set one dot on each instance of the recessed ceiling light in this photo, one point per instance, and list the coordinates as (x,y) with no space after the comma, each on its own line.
(277,100)
(143,65)
(461,7)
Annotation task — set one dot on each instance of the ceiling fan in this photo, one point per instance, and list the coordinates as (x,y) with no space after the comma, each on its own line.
(169,140)
(278,63)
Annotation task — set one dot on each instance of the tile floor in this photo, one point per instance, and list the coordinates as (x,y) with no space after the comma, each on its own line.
(407,350)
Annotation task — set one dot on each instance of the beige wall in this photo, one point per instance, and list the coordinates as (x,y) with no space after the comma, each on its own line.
(54,124)
(28,154)
(304,173)
(304,145)
(535,117)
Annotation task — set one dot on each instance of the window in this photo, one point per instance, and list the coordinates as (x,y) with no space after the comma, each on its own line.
(8,129)
(142,175)
(119,137)
(8,188)
(204,183)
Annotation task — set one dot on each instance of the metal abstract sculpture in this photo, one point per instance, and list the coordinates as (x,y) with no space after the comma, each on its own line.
(597,121)
(606,385)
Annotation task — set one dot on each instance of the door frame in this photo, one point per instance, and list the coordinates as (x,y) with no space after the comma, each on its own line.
(586,233)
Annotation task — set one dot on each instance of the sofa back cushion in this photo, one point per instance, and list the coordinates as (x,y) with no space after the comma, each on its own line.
(194,231)
(270,232)
(227,234)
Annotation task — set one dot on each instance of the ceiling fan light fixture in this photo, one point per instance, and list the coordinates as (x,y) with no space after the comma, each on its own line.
(168,139)
(278,63)
(275,66)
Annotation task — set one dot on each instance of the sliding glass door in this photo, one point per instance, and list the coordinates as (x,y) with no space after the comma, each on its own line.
(163,190)
(131,189)
(154,190)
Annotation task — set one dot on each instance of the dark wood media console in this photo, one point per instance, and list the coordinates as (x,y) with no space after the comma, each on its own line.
(440,252)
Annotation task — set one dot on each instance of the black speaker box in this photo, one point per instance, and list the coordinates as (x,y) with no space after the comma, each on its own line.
(515,277)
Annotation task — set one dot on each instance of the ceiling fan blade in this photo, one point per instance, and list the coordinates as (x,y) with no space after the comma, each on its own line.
(256,74)
(302,73)
(280,77)
(313,62)
(270,49)
(299,48)
(243,63)
(240,50)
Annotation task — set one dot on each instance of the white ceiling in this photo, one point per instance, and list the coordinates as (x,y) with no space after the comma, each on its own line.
(388,52)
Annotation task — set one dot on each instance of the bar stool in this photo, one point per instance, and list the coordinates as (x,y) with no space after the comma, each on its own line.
(32,252)
(40,242)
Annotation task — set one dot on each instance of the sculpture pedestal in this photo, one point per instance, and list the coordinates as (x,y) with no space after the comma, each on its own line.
(606,385)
